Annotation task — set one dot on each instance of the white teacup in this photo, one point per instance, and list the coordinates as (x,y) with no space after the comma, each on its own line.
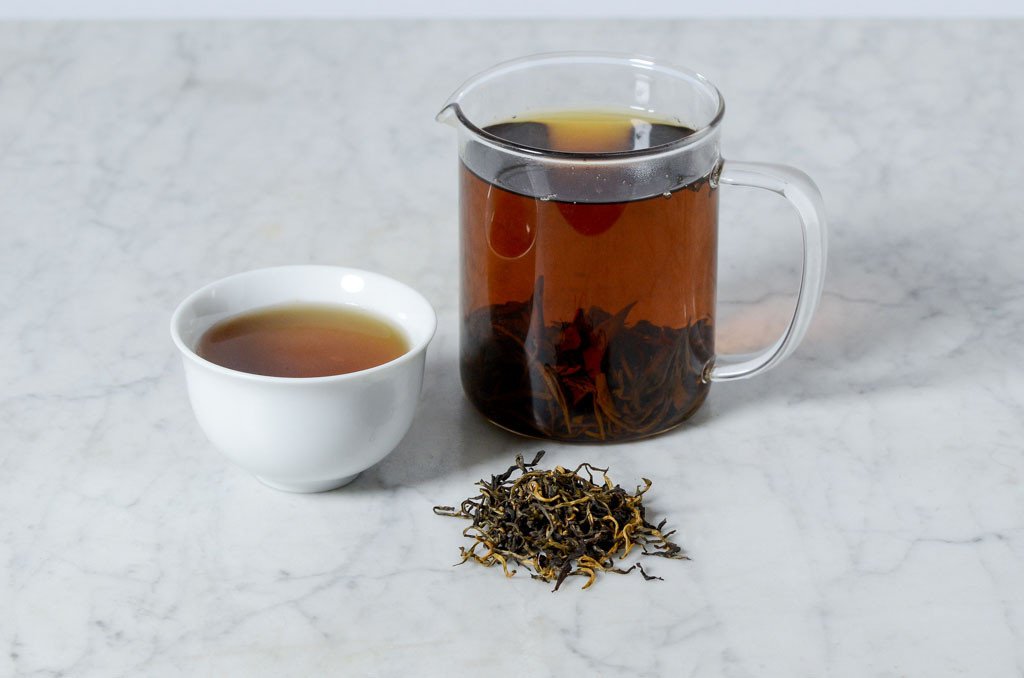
(305,434)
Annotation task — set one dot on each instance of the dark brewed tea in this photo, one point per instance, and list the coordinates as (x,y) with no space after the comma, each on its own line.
(588,298)
(302,340)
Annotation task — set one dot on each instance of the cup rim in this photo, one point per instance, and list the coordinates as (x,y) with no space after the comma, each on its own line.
(618,58)
(189,353)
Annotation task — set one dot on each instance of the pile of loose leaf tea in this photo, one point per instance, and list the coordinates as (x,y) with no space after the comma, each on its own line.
(559,523)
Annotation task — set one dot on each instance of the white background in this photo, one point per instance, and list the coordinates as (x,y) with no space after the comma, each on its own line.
(163,9)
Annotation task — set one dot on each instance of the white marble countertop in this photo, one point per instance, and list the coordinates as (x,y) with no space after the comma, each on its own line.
(858,511)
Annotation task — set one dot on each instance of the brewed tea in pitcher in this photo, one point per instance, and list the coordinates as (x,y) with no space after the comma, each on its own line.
(589,215)
(587,318)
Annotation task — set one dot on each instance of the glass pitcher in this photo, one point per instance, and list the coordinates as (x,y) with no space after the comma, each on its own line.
(589,219)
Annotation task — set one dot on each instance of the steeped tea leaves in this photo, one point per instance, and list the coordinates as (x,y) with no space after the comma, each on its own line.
(596,377)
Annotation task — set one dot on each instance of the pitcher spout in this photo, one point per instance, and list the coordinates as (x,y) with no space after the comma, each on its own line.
(448,115)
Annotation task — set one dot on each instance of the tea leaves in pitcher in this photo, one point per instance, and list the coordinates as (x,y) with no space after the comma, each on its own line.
(596,377)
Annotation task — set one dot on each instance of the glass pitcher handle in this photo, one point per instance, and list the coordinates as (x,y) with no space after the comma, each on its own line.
(800,191)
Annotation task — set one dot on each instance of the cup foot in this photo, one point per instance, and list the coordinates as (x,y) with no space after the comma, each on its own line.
(308,487)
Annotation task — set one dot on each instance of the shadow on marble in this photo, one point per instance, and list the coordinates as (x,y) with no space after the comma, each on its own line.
(887,321)
(447,437)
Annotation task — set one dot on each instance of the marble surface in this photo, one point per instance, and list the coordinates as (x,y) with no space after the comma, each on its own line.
(859,511)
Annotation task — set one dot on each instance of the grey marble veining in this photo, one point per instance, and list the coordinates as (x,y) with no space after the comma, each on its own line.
(858,511)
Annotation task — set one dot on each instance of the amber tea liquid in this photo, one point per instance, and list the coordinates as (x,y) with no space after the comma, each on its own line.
(302,340)
(587,318)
